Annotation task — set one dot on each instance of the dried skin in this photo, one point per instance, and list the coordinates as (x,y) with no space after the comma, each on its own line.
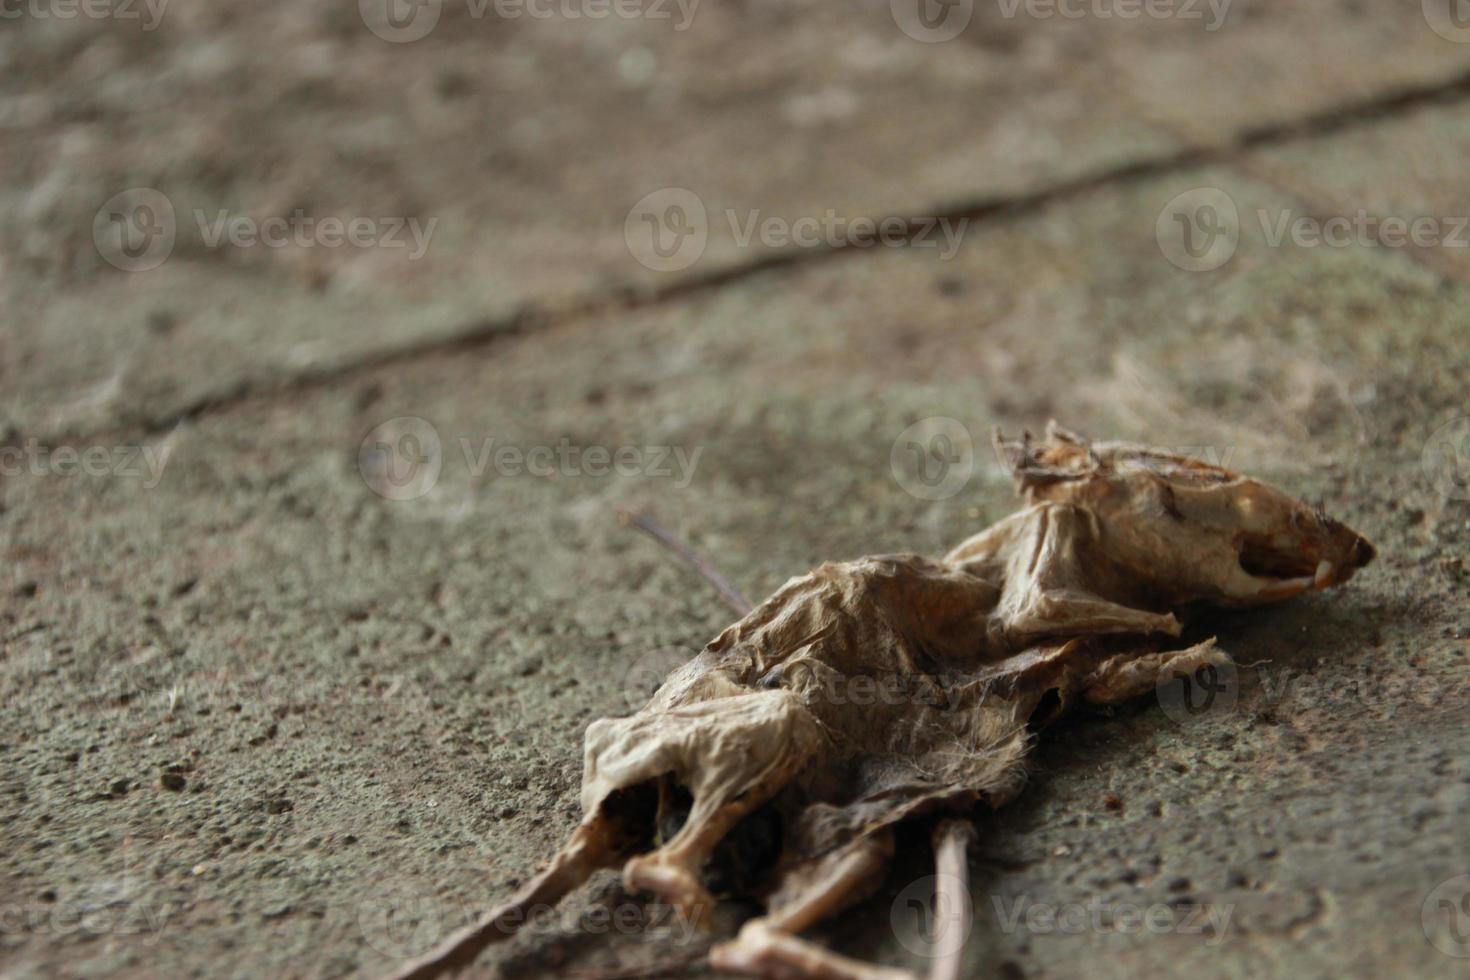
(872,691)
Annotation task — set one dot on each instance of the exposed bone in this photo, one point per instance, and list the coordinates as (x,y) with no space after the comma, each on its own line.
(952,839)
(728,592)
(762,951)
(889,688)
(768,947)
(589,849)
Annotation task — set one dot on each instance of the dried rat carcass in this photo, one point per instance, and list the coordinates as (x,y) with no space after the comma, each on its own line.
(874,691)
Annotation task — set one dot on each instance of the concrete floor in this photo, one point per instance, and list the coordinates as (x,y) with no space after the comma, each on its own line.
(279,704)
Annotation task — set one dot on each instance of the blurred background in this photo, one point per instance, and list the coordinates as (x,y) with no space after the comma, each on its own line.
(336,336)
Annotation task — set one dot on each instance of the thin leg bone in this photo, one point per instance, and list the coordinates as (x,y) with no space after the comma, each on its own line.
(589,849)
(761,951)
(766,947)
(673,871)
(952,839)
(848,877)
(694,560)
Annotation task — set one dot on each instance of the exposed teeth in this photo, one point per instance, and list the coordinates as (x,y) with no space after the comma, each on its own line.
(1323,578)
(1285,588)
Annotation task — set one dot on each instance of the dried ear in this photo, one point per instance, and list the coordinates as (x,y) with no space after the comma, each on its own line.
(1064,456)
(1056,434)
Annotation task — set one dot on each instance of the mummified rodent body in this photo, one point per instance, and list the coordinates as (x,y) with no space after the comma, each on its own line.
(871,691)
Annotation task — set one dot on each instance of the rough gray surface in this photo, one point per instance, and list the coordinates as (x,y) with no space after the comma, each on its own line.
(261,720)
(527,141)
